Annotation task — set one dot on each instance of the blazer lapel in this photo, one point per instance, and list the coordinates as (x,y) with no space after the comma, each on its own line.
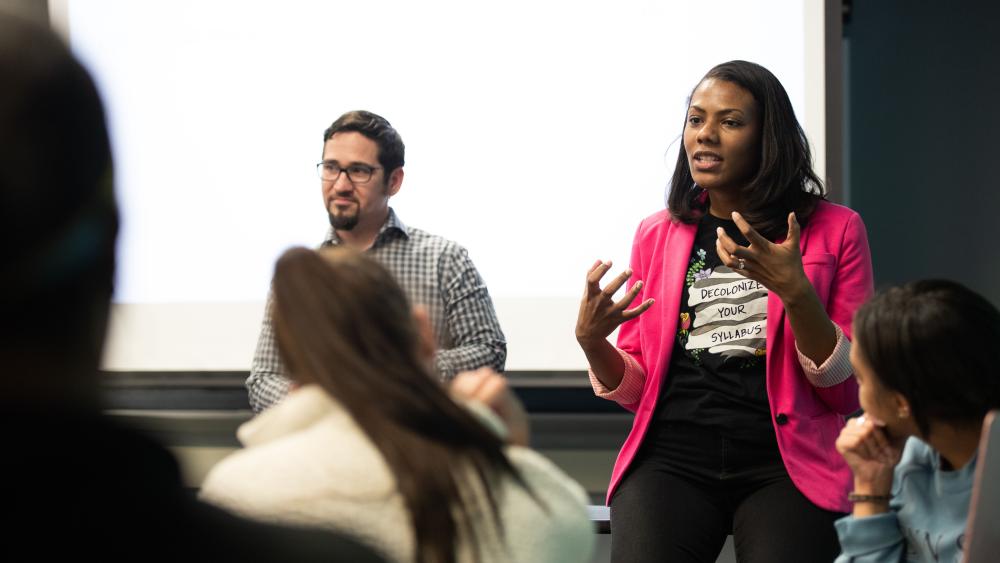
(676,253)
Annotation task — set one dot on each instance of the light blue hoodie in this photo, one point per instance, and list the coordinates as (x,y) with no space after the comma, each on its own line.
(926,523)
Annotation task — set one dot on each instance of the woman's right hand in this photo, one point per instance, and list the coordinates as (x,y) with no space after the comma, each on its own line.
(870,455)
(599,314)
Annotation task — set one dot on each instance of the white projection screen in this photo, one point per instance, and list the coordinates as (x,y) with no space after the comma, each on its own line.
(538,134)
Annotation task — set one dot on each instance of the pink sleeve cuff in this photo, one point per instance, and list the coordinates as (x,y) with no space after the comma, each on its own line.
(836,369)
(629,391)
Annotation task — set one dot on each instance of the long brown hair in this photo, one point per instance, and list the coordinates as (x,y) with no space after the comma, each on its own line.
(344,323)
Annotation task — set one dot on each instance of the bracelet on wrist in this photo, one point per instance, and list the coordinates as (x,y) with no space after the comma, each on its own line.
(855,497)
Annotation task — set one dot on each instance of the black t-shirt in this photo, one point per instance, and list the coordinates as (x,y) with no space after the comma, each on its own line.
(716,374)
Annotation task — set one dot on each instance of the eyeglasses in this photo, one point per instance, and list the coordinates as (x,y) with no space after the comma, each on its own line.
(356,173)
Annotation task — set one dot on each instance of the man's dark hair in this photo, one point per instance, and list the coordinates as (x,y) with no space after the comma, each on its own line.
(376,128)
(784,180)
(933,341)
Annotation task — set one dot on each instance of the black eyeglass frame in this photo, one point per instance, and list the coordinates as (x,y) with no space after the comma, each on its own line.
(346,170)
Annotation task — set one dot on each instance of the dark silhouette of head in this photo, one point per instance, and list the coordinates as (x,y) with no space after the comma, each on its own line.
(58,219)
(85,486)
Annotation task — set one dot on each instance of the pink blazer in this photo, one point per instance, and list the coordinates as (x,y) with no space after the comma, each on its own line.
(807,419)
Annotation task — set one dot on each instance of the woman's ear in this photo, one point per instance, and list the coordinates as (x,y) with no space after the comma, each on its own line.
(901,406)
(425,333)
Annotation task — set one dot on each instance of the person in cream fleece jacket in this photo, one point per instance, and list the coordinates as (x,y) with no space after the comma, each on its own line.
(385,453)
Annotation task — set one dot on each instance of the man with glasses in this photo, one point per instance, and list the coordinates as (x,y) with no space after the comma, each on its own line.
(362,168)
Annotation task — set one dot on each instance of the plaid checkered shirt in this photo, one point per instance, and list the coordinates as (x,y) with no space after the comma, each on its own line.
(436,273)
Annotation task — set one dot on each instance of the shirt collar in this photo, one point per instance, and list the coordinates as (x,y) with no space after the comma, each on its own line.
(392,224)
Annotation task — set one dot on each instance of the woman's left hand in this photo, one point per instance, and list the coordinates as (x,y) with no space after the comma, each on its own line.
(778,267)
(489,388)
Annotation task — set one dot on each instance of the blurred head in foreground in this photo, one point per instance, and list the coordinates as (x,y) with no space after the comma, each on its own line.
(58,220)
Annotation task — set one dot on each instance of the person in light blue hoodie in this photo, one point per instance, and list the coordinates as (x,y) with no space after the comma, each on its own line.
(925,358)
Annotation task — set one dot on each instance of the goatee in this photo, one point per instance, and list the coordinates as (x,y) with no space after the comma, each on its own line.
(343,222)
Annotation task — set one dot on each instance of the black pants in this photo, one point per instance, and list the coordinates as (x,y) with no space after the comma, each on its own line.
(690,487)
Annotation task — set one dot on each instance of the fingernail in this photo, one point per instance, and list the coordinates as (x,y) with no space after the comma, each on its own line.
(719,231)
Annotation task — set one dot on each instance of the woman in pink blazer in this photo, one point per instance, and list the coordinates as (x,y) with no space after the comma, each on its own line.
(733,349)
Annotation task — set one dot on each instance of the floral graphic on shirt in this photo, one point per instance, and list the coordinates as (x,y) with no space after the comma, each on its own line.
(696,271)
(729,314)
(682,336)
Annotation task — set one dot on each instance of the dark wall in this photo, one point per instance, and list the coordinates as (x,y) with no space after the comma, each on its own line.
(924,138)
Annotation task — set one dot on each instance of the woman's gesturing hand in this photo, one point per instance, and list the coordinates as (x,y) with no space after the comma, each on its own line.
(599,314)
(778,267)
